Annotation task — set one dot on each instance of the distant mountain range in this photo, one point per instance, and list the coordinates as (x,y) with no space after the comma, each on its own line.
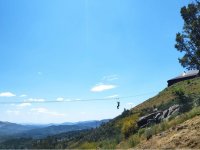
(12,130)
(7,128)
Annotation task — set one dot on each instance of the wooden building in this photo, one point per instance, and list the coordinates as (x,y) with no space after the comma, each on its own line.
(185,76)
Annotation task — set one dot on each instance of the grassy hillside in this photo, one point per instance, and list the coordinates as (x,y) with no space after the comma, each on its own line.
(122,131)
(165,96)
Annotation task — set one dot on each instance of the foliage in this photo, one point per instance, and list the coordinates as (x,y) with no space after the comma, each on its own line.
(141,132)
(88,145)
(22,143)
(148,133)
(189,40)
(129,125)
(184,100)
(133,140)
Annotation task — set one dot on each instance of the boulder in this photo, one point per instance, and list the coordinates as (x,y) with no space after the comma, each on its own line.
(143,121)
(157,117)
(165,114)
(173,108)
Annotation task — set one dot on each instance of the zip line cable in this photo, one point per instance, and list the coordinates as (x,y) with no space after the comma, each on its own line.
(81,100)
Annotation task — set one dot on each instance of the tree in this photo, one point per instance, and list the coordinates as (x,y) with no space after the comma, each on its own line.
(185,101)
(189,40)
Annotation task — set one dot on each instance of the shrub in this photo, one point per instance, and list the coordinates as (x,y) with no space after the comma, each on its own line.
(87,145)
(194,112)
(162,126)
(184,100)
(129,125)
(148,133)
(134,140)
(141,132)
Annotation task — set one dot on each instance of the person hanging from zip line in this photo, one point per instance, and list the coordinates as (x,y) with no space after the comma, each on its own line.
(118,104)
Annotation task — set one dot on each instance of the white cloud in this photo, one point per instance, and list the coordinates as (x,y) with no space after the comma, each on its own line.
(60,99)
(35,100)
(103,87)
(113,96)
(77,99)
(42,110)
(68,100)
(23,95)
(110,77)
(7,94)
(23,105)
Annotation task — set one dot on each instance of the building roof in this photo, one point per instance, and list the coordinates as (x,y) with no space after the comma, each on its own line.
(186,74)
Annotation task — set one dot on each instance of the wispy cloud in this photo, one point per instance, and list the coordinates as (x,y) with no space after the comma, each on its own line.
(68,100)
(23,95)
(35,100)
(112,96)
(102,87)
(7,94)
(60,99)
(105,84)
(23,105)
(110,77)
(42,110)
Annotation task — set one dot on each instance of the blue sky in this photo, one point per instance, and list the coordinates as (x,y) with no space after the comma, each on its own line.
(66,50)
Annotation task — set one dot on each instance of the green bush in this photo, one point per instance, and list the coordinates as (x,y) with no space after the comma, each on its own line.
(162,126)
(141,132)
(148,133)
(194,112)
(108,144)
(87,145)
(185,101)
(134,140)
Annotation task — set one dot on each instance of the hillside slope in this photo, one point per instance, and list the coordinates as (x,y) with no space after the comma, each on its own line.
(185,135)
(167,95)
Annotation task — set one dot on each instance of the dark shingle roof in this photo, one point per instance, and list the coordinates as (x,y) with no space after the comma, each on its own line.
(187,74)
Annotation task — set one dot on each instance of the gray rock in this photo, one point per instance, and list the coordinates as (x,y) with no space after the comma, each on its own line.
(165,114)
(157,117)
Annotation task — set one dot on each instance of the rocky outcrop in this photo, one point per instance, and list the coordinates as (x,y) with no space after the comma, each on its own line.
(158,116)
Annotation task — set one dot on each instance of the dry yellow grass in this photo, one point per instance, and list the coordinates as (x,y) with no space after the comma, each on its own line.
(185,135)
